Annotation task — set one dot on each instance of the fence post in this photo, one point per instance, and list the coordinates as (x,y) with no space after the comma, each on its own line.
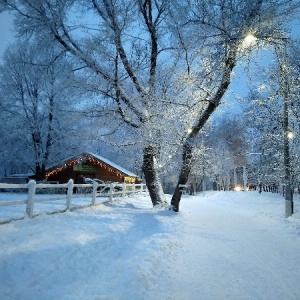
(69,194)
(124,190)
(30,200)
(95,184)
(141,188)
(111,186)
(133,188)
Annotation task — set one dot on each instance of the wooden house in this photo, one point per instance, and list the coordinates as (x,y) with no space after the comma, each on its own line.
(89,165)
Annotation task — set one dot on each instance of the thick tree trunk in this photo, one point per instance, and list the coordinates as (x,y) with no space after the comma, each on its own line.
(152,178)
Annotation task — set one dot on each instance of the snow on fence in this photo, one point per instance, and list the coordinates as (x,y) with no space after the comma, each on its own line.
(65,194)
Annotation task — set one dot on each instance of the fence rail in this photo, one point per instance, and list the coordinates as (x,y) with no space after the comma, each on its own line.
(66,192)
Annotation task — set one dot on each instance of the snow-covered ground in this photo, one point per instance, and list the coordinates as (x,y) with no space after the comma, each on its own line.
(221,245)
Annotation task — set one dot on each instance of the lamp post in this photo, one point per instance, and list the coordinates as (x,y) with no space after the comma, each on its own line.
(289,205)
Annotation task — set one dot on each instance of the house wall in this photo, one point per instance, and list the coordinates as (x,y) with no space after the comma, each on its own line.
(105,175)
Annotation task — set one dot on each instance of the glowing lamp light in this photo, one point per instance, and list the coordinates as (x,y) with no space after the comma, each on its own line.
(249,40)
(290,135)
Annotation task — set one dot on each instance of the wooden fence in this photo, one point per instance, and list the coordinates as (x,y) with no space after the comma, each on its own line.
(67,193)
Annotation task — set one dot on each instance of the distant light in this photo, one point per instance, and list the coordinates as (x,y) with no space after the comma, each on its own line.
(237,188)
(190,130)
(290,135)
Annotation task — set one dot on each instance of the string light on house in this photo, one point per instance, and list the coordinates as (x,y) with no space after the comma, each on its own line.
(81,160)
(65,166)
(102,165)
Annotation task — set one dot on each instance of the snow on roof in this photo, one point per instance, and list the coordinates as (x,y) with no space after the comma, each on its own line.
(110,163)
(20,175)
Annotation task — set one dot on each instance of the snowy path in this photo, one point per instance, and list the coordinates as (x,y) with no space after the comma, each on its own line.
(225,245)
(237,252)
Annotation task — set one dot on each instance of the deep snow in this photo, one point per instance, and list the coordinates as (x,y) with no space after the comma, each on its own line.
(221,245)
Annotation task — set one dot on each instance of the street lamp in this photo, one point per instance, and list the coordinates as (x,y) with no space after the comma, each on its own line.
(280,51)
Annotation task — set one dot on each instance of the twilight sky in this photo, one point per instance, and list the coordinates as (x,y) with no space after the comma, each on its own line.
(6,32)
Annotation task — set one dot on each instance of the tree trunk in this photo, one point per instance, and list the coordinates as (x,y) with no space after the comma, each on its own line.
(40,172)
(152,178)
(187,158)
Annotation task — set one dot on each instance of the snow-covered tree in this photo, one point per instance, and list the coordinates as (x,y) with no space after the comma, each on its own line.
(229,139)
(36,101)
(265,117)
(221,29)
(123,49)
